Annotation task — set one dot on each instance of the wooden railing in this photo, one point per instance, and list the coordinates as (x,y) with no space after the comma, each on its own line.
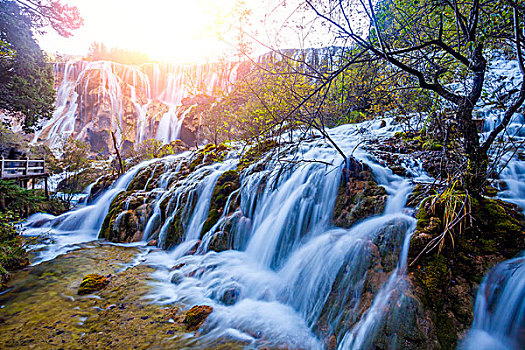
(16,168)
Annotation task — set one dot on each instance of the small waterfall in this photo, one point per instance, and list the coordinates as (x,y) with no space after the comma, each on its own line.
(205,190)
(273,288)
(499,313)
(77,226)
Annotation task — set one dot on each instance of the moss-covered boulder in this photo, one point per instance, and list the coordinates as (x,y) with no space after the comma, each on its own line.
(207,155)
(256,152)
(220,241)
(446,278)
(127,218)
(196,316)
(147,178)
(227,183)
(359,195)
(92,283)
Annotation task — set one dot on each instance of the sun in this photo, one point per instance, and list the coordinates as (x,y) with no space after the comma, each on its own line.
(167,30)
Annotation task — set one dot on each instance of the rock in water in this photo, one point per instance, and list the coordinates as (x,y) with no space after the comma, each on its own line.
(91,283)
(196,316)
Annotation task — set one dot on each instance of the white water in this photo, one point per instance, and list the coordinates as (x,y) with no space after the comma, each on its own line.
(94,97)
(499,313)
(272,289)
(74,227)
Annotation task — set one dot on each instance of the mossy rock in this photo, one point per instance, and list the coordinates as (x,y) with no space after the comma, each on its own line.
(226,184)
(256,152)
(209,154)
(196,316)
(174,234)
(220,241)
(147,178)
(446,280)
(213,217)
(92,283)
(358,196)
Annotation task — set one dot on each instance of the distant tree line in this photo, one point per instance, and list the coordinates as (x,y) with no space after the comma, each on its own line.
(99,52)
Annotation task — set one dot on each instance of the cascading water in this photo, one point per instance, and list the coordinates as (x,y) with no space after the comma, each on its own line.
(77,226)
(272,289)
(291,278)
(499,313)
(288,278)
(135,102)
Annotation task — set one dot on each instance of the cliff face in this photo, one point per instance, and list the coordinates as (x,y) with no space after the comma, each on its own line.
(153,100)
(134,102)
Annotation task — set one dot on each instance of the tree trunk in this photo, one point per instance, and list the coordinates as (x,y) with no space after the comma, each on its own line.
(475,174)
(120,162)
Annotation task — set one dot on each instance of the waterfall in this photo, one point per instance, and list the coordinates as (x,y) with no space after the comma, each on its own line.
(499,313)
(292,278)
(135,102)
(77,226)
(272,289)
(289,277)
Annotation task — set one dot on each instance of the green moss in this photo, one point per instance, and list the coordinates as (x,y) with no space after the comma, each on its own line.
(212,219)
(434,277)
(196,316)
(208,154)
(92,283)
(446,331)
(226,184)
(114,209)
(255,153)
(493,234)
(501,222)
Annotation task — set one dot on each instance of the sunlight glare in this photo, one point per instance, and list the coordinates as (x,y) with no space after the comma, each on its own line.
(170,30)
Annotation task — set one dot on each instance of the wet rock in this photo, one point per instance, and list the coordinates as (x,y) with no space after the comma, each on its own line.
(332,342)
(100,186)
(230,296)
(178,266)
(92,283)
(177,277)
(220,241)
(196,316)
(358,196)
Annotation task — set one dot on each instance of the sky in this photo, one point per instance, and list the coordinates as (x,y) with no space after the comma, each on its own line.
(166,30)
